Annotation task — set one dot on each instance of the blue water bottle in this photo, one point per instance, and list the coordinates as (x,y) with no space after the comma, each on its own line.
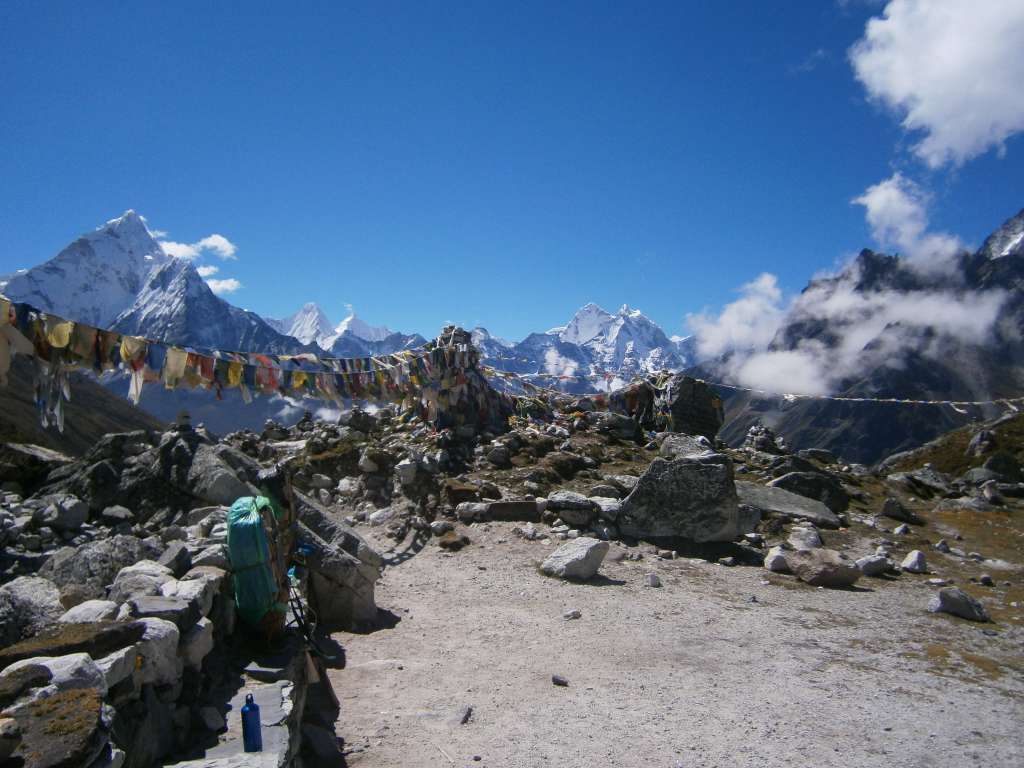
(252,738)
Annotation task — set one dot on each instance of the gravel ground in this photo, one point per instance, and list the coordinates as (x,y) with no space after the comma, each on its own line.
(719,667)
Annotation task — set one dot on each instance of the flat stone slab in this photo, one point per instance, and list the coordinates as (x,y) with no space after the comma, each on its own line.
(181,612)
(777,502)
(98,639)
(62,730)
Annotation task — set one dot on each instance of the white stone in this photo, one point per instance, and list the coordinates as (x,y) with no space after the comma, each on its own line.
(914,562)
(159,651)
(578,559)
(71,672)
(90,611)
(119,665)
(405,470)
(775,560)
(804,537)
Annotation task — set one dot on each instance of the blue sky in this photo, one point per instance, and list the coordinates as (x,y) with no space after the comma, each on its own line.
(485,164)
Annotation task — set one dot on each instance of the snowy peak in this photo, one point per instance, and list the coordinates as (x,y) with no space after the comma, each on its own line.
(1008,240)
(95,278)
(589,322)
(354,325)
(310,324)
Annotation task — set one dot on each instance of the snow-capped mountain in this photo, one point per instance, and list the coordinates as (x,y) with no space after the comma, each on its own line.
(95,278)
(594,350)
(310,324)
(176,304)
(1008,240)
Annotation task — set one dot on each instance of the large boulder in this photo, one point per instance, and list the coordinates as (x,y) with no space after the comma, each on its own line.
(814,485)
(28,465)
(823,567)
(574,508)
(143,579)
(615,424)
(693,498)
(27,606)
(62,512)
(778,502)
(576,559)
(956,602)
(344,568)
(84,573)
(214,474)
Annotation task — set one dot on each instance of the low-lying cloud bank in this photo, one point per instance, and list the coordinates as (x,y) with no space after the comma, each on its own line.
(852,331)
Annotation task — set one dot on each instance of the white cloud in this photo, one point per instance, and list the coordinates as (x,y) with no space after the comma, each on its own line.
(952,69)
(863,331)
(217,244)
(897,212)
(228,285)
(747,323)
(207,270)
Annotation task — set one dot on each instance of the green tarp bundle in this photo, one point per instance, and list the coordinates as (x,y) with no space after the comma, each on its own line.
(249,552)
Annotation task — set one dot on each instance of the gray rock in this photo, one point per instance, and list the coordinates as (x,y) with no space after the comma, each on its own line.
(67,673)
(159,650)
(344,568)
(679,446)
(27,464)
(177,558)
(213,477)
(90,611)
(471,511)
(956,602)
(815,485)
(578,559)
(614,424)
(874,565)
(777,502)
(115,515)
(693,498)
(63,512)
(28,604)
(925,483)
(196,643)
(1006,467)
(405,470)
(652,580)
(901,530)
(10,737)
(775,560)
(801,537)
(978,476)
(893,508)
(143,579)
(560,500)
(215,556)
(607,508)
(914,562)
(818,454)
(823,568)
(499,456)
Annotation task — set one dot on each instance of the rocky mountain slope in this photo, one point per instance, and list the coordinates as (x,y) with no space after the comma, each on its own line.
(92,412)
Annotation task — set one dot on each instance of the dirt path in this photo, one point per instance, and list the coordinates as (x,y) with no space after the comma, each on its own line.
(716,668)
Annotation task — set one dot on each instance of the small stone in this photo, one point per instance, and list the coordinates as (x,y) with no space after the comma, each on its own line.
(775,560)
(559,681)
(572,613)
(901,530)
(986,580)
(942,546)
(729,562)
(914,562)
(873,565)
(652,580)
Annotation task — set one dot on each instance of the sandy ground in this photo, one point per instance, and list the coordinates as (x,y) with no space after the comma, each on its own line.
(719,667)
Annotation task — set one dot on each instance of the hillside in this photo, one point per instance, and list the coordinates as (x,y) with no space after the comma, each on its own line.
(93,412)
